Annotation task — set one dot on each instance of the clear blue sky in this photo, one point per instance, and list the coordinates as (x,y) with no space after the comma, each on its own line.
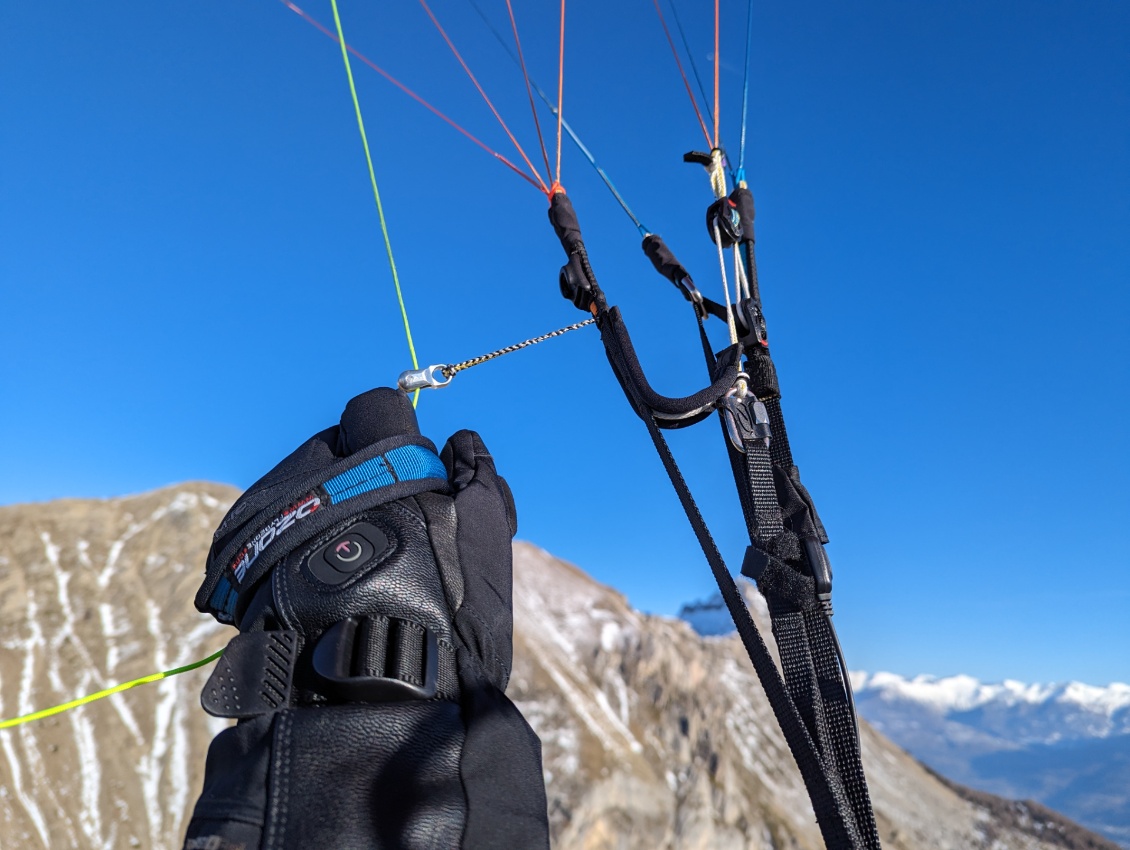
(193,281)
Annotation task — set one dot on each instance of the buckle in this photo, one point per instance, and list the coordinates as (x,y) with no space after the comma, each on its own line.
(377,659)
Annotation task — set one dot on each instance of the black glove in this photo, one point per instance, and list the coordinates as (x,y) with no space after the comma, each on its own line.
(370,580)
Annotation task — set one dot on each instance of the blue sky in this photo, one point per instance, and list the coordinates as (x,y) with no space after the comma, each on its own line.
(193,281)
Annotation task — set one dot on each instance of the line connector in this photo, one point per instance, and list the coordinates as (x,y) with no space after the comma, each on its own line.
(430,377)
(745,416)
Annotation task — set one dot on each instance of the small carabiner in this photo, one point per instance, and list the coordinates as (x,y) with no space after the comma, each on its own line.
(430,377)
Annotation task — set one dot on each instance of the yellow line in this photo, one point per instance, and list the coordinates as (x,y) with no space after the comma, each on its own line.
(376,193)
(117,689)
(154,677)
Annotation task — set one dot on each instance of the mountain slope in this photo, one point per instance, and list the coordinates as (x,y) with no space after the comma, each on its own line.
(1066,745)
(653,736)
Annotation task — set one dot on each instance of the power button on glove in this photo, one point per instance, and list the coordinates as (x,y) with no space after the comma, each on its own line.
(348,552)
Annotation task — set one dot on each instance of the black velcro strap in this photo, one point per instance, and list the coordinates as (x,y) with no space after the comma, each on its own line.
(776,579)
(762,375)
(253,676)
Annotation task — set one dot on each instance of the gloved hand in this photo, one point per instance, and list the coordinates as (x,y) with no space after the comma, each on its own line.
(370,580)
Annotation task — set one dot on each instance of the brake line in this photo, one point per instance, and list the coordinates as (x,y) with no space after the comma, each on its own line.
(376,192)
(116,689)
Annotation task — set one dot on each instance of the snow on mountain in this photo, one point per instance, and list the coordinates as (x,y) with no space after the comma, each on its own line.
(1013,711)
(1065,745)
(652,737)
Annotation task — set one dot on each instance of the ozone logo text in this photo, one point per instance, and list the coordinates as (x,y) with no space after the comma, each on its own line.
(250,553)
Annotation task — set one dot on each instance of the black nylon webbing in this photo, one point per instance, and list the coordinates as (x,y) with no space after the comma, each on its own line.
(799,670)
(762,493)
(840,718)
(779,448)
(829,801)
(806,642)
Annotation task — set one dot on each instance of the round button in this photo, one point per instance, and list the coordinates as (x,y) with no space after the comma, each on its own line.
(359,545)
(347,551)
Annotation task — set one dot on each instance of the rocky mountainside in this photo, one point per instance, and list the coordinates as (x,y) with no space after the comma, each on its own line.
(654,737)
(1064,745)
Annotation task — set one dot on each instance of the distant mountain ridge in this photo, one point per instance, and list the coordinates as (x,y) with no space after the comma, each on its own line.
(1065,745)
(1018,712)
(653,737)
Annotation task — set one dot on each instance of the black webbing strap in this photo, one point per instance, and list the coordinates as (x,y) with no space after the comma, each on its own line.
(810,659)
(812,738)
(829,801)
(767,524)
(814,673)
(792,601)
(839,714)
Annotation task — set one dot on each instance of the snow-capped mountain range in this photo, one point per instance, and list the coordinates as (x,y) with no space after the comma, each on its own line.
(1011,711)
(1064,745)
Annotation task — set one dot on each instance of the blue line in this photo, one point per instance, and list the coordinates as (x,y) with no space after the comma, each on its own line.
(745,88)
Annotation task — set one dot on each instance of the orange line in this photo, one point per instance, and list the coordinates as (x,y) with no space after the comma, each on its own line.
(682,73)
(560,89)
(717,65)
(529,90)
(442,32)
(409,92)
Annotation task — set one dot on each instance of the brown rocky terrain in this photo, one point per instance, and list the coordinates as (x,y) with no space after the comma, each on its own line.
(654,738)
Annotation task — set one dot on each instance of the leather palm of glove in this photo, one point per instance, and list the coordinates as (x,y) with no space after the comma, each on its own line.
(370,580)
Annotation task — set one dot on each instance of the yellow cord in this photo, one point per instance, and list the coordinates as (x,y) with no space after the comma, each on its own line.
(154,677)
(117,689)
(376,193)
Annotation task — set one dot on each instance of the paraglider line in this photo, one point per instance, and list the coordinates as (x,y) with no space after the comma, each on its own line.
(376,194)
(450,44)
(745,91)
(564,124)
(117,689)
(329,34)
(529,90)
(717,67)
(690,58)
(560,90)
(682,73)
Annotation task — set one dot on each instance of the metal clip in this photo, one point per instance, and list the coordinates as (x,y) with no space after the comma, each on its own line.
(691,291)
(430,377)
(745,417)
